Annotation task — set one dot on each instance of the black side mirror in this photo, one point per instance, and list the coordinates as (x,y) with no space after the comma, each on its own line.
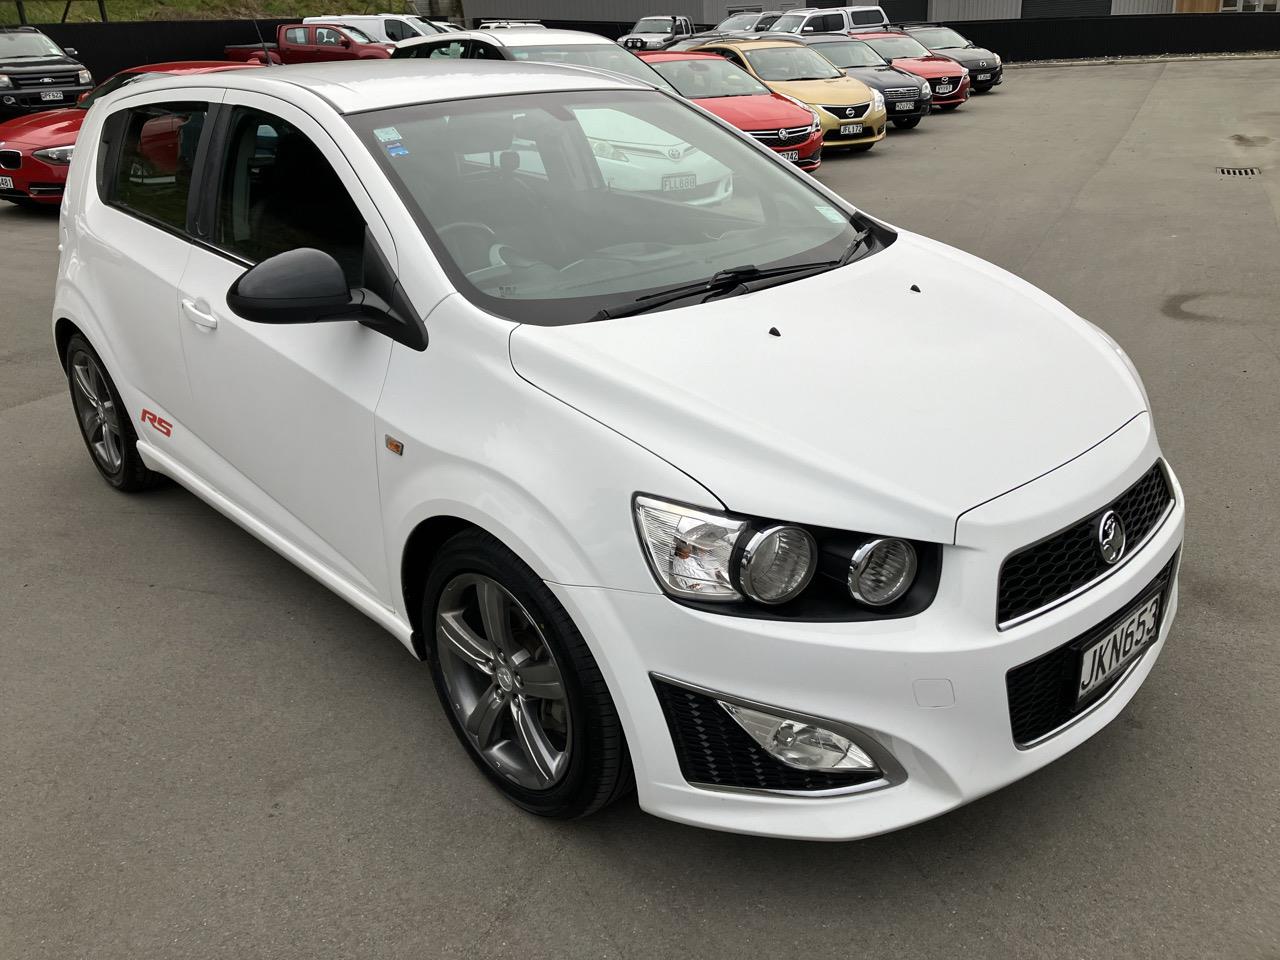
(299,286)
(71,51)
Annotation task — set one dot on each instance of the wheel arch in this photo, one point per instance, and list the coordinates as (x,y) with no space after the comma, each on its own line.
(420,550)
(63,330)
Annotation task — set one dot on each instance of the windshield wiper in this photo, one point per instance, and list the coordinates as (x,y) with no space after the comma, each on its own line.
(733,282)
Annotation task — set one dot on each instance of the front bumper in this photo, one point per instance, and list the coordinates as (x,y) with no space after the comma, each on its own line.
(16,101)
(809,152)
(24,178)
(957,96)
(873,124)
(994,76)
(930,690)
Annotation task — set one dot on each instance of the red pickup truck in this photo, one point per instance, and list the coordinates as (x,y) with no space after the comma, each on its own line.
(311,43)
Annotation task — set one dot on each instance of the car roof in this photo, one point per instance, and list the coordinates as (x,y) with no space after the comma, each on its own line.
(517,37)
(753,43)
(190,66)
(354,86)
(660,56)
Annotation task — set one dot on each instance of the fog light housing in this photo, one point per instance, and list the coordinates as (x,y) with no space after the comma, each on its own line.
(798,744)
(881,571)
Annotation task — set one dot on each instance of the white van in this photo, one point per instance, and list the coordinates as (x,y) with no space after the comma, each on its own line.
(384,27)
(829,20)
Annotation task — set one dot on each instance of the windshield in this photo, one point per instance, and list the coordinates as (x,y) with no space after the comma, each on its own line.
(741,21)
(602,56)
(14,46)
(788,23)
(890,47)
(709,77)
(849,53)
(547,208)
(654,25)
(425,24)
(783,64)
(940,38)
(359,36)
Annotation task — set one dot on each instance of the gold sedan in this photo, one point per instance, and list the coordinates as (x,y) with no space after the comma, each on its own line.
(851,113)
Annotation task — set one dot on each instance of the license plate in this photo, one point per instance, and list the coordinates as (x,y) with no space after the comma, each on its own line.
(6,183)
(50,94)
(905,105)
(789,154)
(849,129)
(680,181)
(943,88)
(1106,657)
(984,76)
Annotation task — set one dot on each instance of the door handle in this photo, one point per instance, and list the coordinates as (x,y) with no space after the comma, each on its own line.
(198,316)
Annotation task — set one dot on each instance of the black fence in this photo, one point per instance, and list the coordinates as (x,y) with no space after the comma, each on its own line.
(108,47)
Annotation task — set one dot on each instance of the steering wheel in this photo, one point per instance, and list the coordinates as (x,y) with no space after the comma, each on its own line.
(472,247)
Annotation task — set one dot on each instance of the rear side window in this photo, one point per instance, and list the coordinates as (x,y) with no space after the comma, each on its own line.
(827,23)
(151,173)
(397,30)
(296,35)
(865,16)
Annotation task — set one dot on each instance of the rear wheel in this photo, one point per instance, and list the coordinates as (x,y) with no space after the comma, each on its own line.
(522,691)
(906,123)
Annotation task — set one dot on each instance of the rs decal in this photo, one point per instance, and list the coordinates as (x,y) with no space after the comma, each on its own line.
(159,423)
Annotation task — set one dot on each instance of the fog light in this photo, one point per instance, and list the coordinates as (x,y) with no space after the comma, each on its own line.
(882,571)
(10,100)
(798,744)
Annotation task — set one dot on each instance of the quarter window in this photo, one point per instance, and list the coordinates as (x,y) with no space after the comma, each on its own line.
(865,16)
(157,154)
(278,193)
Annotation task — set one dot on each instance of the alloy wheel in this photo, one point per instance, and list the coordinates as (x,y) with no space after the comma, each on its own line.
(505,687)
(99,417)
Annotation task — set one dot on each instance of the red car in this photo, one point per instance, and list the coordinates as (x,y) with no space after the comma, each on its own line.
(789,128)
(312,43)
(949,80)
(36,149)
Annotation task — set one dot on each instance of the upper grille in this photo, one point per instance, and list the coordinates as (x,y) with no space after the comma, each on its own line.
(714,750)
(1042,692)
(1046,571)
(954,81)
(10,159)
(846,112)
(902,93)
(788,137)
(38,79)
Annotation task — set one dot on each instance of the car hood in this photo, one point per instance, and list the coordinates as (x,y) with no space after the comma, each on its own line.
(764,112)
(38,64)
(882,78)
(928,67)
(876,408)
(839,91)
(50,128)
(969,56)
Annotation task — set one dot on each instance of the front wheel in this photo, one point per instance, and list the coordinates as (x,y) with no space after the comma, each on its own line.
(522,691)
(907,123)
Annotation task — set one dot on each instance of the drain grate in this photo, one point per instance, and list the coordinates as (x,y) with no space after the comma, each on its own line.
(1239,171)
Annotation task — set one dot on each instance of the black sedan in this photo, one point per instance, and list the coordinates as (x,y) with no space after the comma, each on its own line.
(907,98)
(985,68)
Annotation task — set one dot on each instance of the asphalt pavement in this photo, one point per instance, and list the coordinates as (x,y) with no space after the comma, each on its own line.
(203,753)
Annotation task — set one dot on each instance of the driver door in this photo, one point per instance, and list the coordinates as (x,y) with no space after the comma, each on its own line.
(285,413)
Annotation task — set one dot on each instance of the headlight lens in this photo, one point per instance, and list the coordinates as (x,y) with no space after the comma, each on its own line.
(877,101)
(602,148)
(925,89)
(5,81)
(882,571)
(84,78)
(56,155)
(998,60)
(777,564)
(689,550)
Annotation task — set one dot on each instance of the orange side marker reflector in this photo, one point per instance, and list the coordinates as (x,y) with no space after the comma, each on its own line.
(395,446)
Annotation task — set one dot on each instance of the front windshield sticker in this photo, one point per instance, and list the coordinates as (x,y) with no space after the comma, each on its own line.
(386,134)
(397,150)
(831,213)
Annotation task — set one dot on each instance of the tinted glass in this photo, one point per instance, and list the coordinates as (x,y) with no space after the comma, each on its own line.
(157,156)
(827,23)
(278,193)
(709,77)
(296,35)
(865,16)
(545,208)
(849,53)
(743,21)
(890,47)
(396,30)
(782,64)
(16,46)
(788,23)
(940,38)
(603,56)
(653,25)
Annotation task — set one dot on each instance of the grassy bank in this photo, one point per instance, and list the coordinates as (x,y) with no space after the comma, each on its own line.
(50,11)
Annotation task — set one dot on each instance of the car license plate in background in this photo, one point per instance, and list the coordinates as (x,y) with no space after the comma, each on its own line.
(849,129)
(50,94)
(905,105)
(6,183)
(680,181)
(792,155)
(1104,658)
(943,88)
(984,76)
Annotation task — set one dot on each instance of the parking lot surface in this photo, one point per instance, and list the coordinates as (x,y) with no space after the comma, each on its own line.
(203,753)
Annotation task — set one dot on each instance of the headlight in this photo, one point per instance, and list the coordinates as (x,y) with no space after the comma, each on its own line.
(5,81)
(999,62)
(926,91)
(602,148)
(877,101)
(60,156)
(84,78)
(882,571)
(689,550)
(964,72)
(777,563)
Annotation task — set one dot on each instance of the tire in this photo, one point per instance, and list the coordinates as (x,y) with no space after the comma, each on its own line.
(584,764)
(105,424)
(907,123)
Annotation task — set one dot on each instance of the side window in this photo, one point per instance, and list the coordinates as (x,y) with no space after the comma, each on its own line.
(397,30)
(483,51)
(296,35)
(865,16)
(328,37)
(152,175)
(831,22)
(278,193)
(451,50)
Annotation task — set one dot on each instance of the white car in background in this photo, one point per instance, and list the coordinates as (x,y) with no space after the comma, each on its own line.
(811,526)
(385,27)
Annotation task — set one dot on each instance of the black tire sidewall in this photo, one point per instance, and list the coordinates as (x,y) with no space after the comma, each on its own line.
(132,474)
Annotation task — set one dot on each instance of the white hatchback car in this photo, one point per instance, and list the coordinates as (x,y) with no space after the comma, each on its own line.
(819,527)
